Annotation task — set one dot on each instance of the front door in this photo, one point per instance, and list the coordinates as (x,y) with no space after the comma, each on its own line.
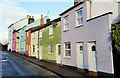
(80,55)
(40,52)
(92,56)
(58,53)
(29,51)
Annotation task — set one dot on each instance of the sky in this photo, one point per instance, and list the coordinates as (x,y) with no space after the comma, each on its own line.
(14,10)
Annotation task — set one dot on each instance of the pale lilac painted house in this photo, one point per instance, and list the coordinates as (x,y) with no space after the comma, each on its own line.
(86,39)
(14,41)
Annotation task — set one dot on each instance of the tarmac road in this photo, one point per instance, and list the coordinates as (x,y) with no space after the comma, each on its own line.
(13,66)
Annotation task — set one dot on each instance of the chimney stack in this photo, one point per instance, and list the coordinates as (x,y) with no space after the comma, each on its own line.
(48,21)
(77,1)
(41,20)
(31,19)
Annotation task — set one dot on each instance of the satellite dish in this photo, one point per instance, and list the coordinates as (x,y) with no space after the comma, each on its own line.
(54,23)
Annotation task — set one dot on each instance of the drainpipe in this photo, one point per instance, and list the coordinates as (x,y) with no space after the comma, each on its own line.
(90,7)
(38,44)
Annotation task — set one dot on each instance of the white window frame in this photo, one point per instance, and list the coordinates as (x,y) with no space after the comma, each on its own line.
(40,34)
(50,49)
(51,30)
(79,17)
(66,23)
(67,49)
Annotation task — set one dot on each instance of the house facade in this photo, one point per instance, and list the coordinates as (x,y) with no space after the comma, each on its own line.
(34,44)
(50,41)
(18,41)
(32,37)
(23,39)
(16,26)
(28,42)
(84,45)
(14,41)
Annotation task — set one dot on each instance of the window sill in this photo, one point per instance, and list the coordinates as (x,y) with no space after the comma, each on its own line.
(67,57)
(78,25)
(50,53)
(65,30)
(50,34)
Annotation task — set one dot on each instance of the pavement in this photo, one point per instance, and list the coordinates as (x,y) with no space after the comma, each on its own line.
(62,71)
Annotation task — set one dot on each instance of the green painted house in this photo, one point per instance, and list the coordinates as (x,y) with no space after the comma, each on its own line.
(50,41)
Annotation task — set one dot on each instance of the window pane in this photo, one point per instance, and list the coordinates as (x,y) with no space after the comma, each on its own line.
(81,48)
(93,48)
(79,17)
(59,50)
(67,52)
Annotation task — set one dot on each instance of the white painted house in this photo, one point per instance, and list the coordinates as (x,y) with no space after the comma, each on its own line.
(16,26)
(86,36)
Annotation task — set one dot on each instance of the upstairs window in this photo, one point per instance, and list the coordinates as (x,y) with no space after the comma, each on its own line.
(40,34)
(51,30)
(79,17)
(50,49)
(66,23)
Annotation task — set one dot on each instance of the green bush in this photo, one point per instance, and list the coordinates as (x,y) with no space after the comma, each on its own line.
(116,36)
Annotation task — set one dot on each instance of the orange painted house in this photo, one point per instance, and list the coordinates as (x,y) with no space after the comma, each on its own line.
(28,42)
(28,35)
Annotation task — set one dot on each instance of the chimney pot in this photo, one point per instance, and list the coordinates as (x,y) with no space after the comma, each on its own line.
(27,16)
(33,17)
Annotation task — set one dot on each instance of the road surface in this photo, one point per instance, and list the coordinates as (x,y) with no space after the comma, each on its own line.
(13,66)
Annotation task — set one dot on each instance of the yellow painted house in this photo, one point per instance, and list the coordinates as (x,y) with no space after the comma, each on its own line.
(18,41)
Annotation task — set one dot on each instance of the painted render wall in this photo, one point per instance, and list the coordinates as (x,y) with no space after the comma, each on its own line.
(23,35)
(15,26)
(102,35)
(18,41)
(34,42)
(47,40)
(95,30)
(28,42)
(104,7)
(22,41)
(14,42)
(88,32)
(10,31)
(72,35)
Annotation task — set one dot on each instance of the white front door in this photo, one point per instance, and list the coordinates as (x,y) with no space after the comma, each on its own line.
(40,52)
(80,55)
(58,53)
(92,56)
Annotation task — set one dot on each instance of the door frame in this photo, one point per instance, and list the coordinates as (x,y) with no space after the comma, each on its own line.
(95,57)
(40,52)
(57,54)
(78,43)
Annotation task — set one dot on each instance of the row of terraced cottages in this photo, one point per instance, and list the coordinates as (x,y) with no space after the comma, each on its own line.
(80,38)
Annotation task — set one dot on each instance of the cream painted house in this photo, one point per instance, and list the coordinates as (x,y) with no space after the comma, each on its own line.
(34,44)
